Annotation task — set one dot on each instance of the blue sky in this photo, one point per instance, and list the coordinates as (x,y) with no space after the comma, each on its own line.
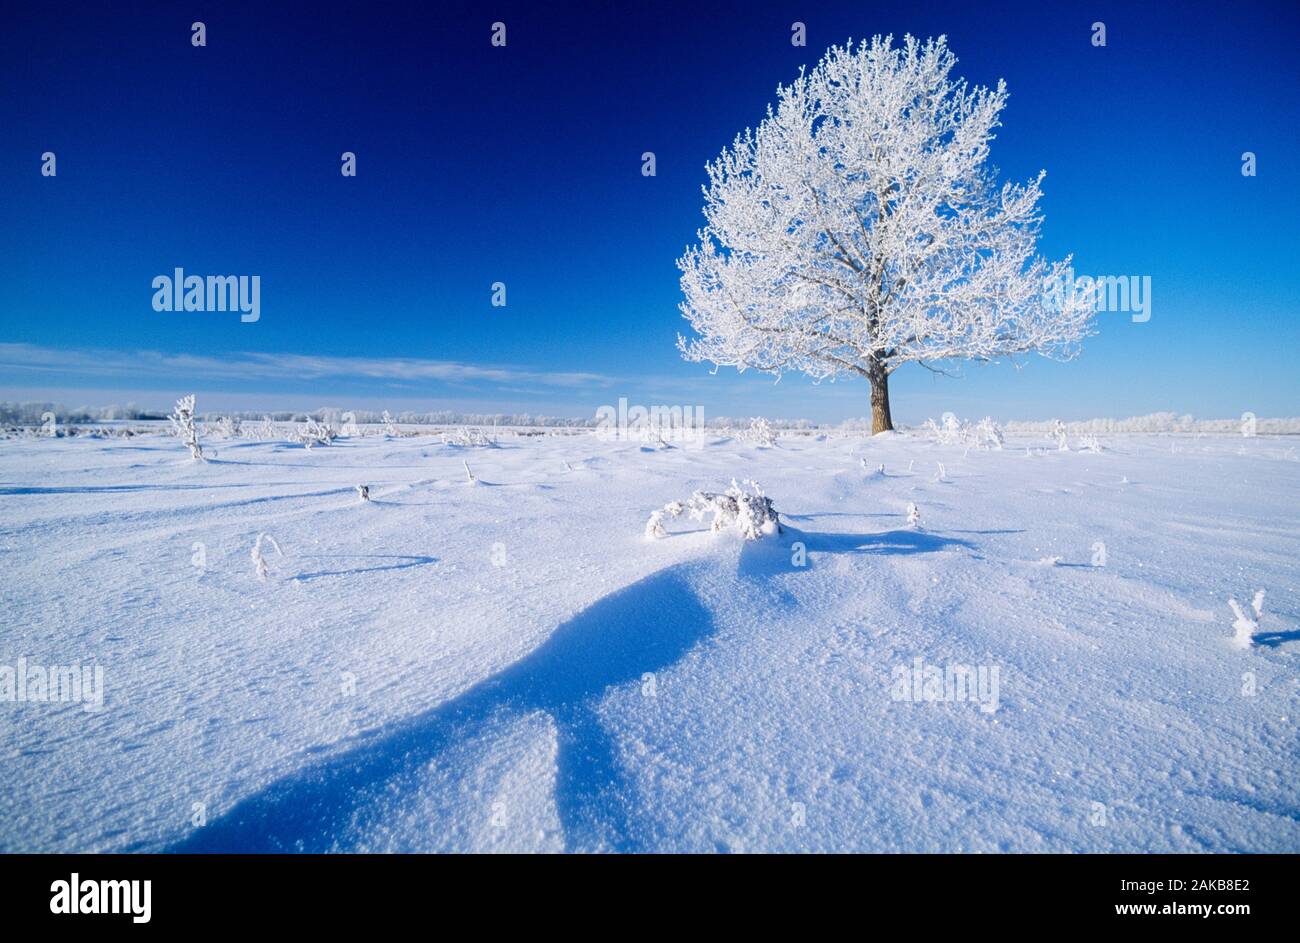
(522,165)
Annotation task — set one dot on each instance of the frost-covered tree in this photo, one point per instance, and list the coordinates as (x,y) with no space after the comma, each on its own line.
(858,228)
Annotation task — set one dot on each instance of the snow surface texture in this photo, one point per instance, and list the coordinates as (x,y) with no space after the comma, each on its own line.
(510,665)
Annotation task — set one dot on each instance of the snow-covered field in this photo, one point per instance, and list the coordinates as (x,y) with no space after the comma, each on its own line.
(511,665)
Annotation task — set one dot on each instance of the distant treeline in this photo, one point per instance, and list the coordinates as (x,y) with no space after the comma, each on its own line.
(34,413)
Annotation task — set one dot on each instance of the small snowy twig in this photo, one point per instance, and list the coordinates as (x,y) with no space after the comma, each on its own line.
(1244,625)
(259,561)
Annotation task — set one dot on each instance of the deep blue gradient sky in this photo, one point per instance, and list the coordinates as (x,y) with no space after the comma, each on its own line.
(479,164)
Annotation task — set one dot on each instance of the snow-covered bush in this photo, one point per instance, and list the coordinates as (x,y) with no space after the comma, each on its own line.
(228,427)
(760,433)
(468,438)
(750,512)
(315,433)
(363,492)
(1090,443)
(182,421)
(259,561)
(390,429)
(654,528)
(263,429)
(1058,433)
(913,515)
(990,434)
(950,430)
(1244,625)
(652,435)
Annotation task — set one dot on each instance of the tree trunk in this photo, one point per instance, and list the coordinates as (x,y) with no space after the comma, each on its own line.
(881,421)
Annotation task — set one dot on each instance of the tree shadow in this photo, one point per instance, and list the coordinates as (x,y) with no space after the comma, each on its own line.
(645,627)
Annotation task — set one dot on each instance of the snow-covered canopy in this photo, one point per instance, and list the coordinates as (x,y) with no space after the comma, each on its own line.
(858,228)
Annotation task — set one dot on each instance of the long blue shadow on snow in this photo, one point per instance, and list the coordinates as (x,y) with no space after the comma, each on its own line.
(905,541)
(404,562)
(1275,639)
(645,627)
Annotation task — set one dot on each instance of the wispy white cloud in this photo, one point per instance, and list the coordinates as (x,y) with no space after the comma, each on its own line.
(278,366)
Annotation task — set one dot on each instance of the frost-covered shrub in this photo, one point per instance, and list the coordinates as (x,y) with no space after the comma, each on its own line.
(264,429)
(913,515)
(654,528)
(1245,626)
(363,492)
(1090,443)
(990,433)
(468,438)
(1058,433)
(228,427)
(950,430)
(315,433)
(182,421)
(750,513)
(652,435)
(390,429)
(760,433)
